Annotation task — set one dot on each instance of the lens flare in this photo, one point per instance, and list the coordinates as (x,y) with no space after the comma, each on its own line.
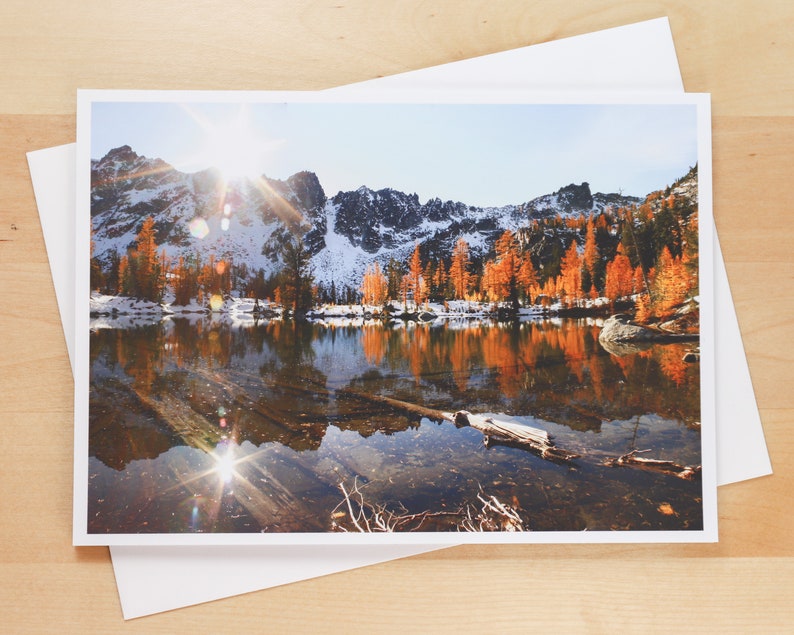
(216,302)
(199,228)
(195,513)
(225,224)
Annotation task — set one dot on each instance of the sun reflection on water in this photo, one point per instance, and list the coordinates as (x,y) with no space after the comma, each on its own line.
(225,462)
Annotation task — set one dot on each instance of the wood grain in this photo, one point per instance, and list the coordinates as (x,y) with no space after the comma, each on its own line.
(741,52)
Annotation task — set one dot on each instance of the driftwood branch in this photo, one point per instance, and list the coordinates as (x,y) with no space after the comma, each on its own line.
(492,516)
(366,517)
(686,472)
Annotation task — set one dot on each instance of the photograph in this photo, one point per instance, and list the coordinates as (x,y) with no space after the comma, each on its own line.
(305,320)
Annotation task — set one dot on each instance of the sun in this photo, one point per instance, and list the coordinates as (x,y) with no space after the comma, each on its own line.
(233,149)
(233,145)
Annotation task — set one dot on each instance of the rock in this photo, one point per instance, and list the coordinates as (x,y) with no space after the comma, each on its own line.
(618,328)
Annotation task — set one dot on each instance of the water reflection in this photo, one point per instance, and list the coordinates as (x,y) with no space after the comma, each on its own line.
(244,425)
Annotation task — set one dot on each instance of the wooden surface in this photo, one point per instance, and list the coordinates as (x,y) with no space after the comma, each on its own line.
(741,52)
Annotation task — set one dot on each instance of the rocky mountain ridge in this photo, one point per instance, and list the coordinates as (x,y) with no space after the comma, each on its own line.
(247,221)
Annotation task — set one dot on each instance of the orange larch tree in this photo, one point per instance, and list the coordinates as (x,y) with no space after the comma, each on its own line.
(488,286)
(440,279)
(528,278)
(374,285)
(572,275)
(145,269)
(590,257)
(124,276)
(415,276)
(620,277)
(459,273)
(502,282)
(670,285)
(149,272)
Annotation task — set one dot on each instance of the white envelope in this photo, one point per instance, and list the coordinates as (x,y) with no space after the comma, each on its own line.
(156,579)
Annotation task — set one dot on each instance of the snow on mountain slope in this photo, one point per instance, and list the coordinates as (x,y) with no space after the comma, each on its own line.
(248,221)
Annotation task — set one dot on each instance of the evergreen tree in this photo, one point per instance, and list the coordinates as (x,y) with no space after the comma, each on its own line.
(296,276)
(427,277)
(440,280)
(112,274)
(185,281)
(97,277)
(690,250)
(395,271)
(666,232)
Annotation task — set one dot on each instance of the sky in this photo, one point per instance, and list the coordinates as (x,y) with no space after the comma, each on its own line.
(479,154)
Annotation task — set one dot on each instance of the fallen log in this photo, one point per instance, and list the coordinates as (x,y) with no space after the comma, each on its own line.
(496,431)
(397,404)
(514,434)
(686,472)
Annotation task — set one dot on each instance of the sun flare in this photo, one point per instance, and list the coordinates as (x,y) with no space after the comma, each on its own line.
(234,145)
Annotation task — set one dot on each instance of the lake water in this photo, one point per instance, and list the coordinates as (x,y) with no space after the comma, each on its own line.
(205,425)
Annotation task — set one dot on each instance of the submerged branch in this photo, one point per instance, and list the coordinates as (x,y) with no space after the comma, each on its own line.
(686,472)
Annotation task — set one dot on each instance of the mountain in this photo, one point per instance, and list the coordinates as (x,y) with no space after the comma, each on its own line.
(247,221)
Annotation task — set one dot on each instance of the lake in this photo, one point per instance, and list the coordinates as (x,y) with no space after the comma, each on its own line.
(208,425)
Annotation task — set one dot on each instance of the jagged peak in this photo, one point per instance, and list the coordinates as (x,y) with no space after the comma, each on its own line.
(121,154)
(575,192)
(126,156)
(584,186)
(305,177)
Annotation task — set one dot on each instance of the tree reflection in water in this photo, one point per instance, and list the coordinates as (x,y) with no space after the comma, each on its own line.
(230,428)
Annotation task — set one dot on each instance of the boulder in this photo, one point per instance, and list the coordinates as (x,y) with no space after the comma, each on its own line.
(619,328)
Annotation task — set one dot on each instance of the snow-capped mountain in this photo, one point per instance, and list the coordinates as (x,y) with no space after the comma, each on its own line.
(199,213)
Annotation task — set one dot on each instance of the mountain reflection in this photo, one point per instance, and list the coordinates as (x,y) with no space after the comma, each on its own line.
(203,381)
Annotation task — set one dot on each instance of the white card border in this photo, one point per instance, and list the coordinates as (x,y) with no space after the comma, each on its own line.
(81,537)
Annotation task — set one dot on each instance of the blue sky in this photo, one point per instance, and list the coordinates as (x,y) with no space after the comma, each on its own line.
(480,154)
